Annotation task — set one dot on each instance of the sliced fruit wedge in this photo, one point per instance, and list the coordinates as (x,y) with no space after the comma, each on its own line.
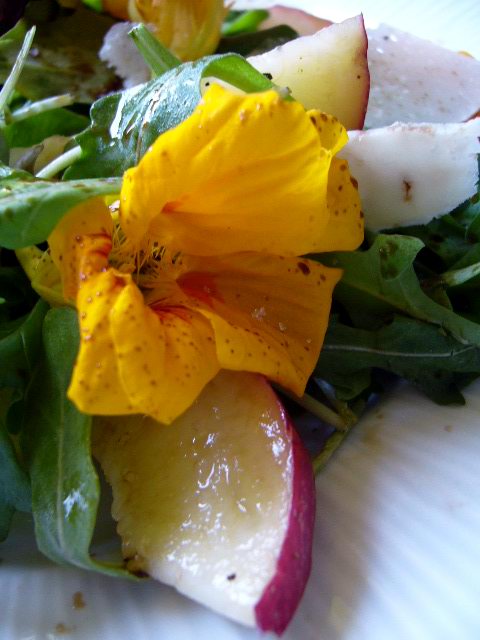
(220,504)
(305,24)
(326,71)
(410,173)
(415,80)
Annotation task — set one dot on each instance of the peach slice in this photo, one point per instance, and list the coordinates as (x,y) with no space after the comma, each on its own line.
(326,71)
(220,504)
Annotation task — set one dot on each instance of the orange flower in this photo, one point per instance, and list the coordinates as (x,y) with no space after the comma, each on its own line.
(200,272)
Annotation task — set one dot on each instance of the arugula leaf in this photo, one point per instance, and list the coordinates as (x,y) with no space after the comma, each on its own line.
(56,444)
(94,4)
(64,59)
(238,22)
(33,130)
(445,239)
(247,44)
(17,293)
(450,237)
(4,149)
(20,343)
(159,58)
(15,494)
(420,352)
(30,208)
(381,282)
(125,124)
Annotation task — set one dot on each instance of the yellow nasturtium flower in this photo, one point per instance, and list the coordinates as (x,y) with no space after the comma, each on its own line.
(200,270)
(189,28)
(116,8)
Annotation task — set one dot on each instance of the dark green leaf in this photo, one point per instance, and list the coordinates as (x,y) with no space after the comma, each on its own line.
(254,43)
(64,58)
(17,293)
(125,124)
(56,441)
(381,282)
(4,150)
(445,237)
(418,351)
(33,130)
(30,208)
(14,485)
(449,237)
(20,343)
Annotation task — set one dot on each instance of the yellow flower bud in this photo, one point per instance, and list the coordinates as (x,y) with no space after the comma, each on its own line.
(189,28)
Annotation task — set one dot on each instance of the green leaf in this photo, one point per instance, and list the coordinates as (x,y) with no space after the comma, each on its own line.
(418,351)
(381,282)
(15,494)
(30,208)
(125,124)
(449,238)
(444,237)
(59,122)
(18,295)
(56,442)
(243,21)
(20,344)
(11,81)
(159,58)
(255,43)
(4,149)
(64,58)
(94,4)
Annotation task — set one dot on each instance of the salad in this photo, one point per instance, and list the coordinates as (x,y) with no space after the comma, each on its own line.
(405,301)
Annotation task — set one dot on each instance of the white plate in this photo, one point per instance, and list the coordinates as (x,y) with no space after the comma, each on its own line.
(397,551)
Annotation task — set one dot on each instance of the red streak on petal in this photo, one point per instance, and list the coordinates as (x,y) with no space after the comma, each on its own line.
(94,251)
(163,311)
(200,286)
(172,206)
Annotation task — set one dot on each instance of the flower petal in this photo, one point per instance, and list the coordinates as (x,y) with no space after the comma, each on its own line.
(43,274)
(165,358)
(242,173)
(269,314)
(81,242)
(96,386)
(117,8)
(345,228)
(333,134)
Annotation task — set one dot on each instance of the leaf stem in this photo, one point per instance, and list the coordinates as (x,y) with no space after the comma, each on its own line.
(331,445)
(158,57)
(318,409)
(10,83)
(456,277)
(342,408)
(41,106)
(60,163)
